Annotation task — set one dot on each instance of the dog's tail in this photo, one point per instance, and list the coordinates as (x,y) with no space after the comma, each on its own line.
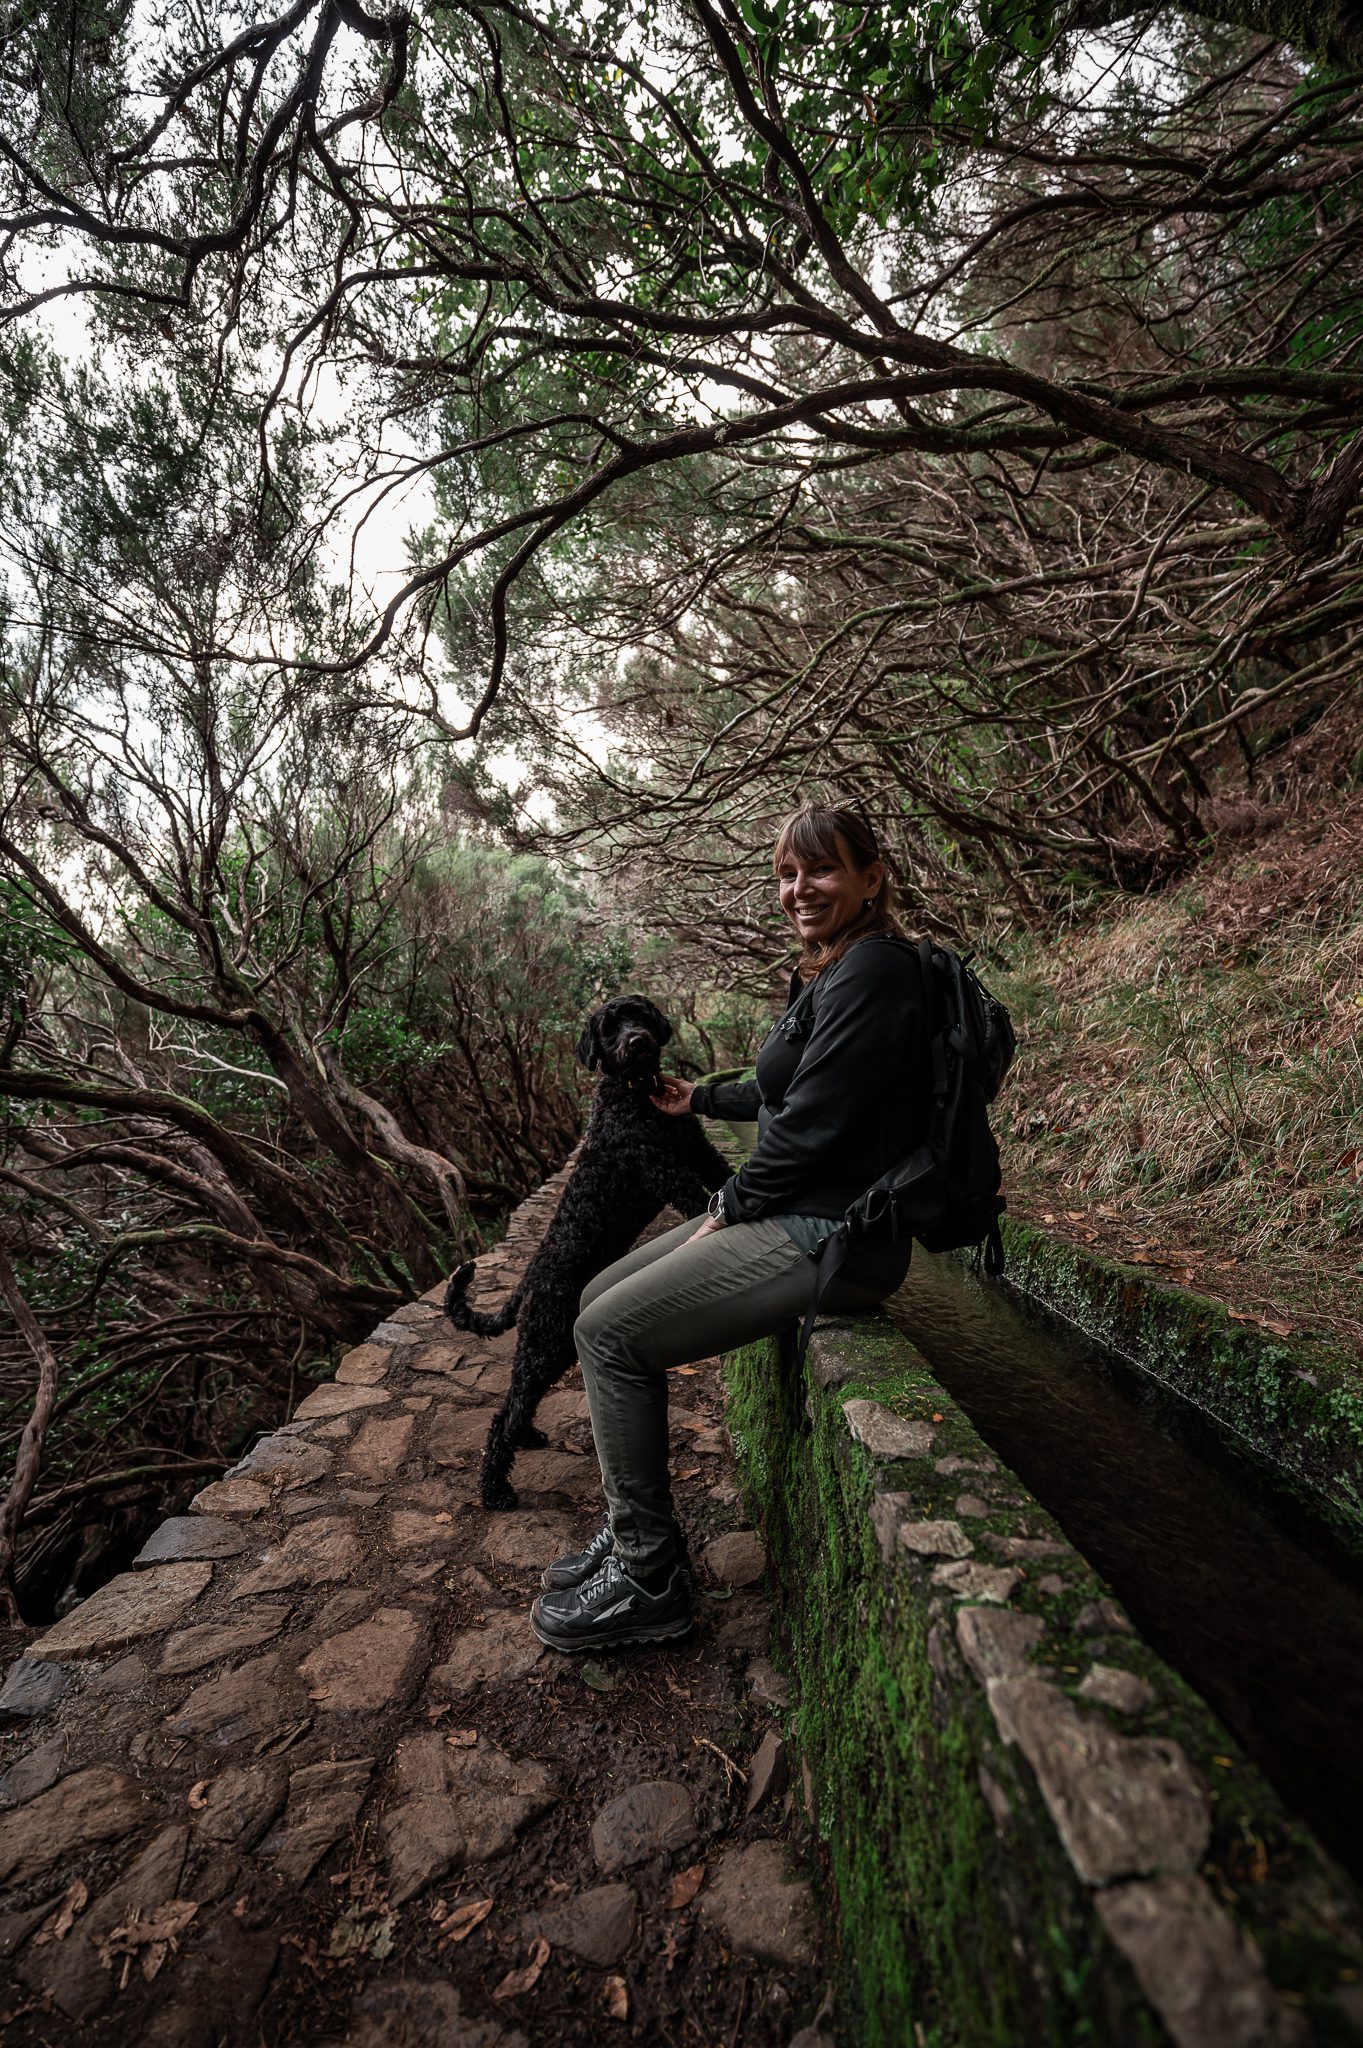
(465,1318)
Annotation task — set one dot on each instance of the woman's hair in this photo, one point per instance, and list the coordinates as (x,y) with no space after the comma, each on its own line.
(818,832)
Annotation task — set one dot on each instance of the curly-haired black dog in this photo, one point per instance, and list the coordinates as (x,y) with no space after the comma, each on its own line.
(633,1162)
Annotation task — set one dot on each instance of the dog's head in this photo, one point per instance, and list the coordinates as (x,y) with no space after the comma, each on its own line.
(625,1038)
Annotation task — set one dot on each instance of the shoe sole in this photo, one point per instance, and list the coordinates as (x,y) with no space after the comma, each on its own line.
(643,1632)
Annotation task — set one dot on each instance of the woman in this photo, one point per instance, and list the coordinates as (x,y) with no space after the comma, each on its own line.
(838,1102)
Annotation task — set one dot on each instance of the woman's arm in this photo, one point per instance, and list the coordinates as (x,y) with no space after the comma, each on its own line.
(739,1101)
(867,1026)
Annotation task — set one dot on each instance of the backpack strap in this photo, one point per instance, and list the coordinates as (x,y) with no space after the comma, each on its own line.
(832,1255)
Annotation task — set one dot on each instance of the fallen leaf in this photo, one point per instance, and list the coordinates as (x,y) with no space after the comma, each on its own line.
(444,1516)
(691,1472)
(525,1979)
(598,1678)
(383,1939)
(458,1922)
(153,1935)
(319,1697)
(437,1713)
(615,1998)
(59,1923)
(669,1948)
(197,1797)
(685,1885)
(462,1738)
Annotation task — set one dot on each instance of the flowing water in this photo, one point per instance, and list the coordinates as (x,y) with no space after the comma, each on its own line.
(1257,1615)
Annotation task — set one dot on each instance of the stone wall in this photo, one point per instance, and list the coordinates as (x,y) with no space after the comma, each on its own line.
(1035,1832)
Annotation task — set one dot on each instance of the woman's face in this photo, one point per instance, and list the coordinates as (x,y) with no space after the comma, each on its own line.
(822,894)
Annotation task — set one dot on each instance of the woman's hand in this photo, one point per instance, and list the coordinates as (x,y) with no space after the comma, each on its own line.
(707,1229)
(674,1098)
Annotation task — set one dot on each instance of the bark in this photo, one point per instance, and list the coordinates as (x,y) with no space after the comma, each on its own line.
(28,1462)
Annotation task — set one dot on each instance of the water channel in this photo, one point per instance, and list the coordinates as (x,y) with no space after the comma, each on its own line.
(1265,1621)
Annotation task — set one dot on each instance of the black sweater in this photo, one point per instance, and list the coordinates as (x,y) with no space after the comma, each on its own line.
(841,1093)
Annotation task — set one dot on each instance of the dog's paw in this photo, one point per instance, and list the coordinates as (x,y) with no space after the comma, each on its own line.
(532,1439)
(500,1496)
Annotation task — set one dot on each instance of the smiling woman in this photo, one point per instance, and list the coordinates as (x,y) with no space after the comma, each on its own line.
(841,1092)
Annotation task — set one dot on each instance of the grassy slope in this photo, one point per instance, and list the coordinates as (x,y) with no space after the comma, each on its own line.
(1189,1093)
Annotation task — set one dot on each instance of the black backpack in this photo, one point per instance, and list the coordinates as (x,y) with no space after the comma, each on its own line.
(946,1193)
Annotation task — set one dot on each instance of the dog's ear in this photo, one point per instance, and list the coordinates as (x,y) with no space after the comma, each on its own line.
(589,1045)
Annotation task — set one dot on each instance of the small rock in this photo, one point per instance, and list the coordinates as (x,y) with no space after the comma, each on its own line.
(128,1674)
(224,1978)
(209,1641)
(972,1507)
(365,1366)
(421,1314)
(1125,1806)
(1051,1585)
(1102,1617)
(329,1399)
(241,1802)
(1025,1546)
(72,1971)
(237,1706)
(529,1542)
(338,1431)
(1206,1982)
(365,1668)
(486,1656)
(950,1466)
(1109,1686)
(769,1772)
(408,2013)
(738,1559)
(342,1608)
(318,1552)
(31,1689)
(570,1472)
(133,1605)
(283,1461)
(461,1806)
(393,1333)
(379,1448)
(231,1497)
(599,1925)
(191,1536)
(997,1643)
(885,1434)
(324,1800)
(744,1624)
(759,1909)
(765,1683)
(409,1529)
(94,1805)
(968,1579)
(29,1775)
(648,1820)
(935,1539)
(457,1433)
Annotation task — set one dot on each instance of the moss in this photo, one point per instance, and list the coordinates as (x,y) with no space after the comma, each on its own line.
(954,1931)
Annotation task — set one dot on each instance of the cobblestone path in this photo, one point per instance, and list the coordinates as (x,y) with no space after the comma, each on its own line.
(304,1775)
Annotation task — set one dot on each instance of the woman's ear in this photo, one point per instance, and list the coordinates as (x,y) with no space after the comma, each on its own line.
(589,1045)
(873,880)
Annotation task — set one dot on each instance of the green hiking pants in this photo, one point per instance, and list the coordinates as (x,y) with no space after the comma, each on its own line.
(669,1303)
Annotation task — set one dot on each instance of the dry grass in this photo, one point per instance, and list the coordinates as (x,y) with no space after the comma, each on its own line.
(1189,1093)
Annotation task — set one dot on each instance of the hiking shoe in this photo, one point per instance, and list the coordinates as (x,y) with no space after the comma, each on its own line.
(579,1565)
(610,1608)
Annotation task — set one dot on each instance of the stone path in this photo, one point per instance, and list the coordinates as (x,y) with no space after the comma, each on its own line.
(304,1775)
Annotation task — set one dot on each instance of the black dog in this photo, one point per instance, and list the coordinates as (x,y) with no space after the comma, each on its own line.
(634,1160)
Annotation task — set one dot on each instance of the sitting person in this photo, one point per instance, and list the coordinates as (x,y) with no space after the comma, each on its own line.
(838,1098)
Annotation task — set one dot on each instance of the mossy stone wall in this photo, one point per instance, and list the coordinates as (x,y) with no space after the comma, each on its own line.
(929,1607)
